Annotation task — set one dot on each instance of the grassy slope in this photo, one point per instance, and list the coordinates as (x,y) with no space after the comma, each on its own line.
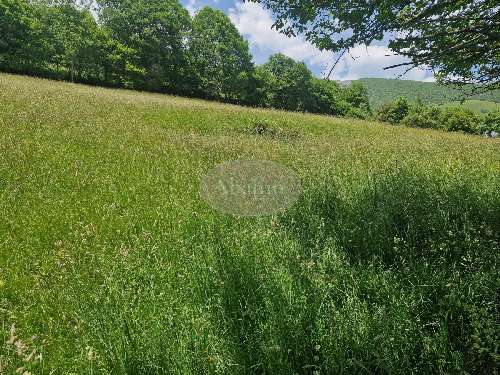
(479,106)
(382,90)
(109,257)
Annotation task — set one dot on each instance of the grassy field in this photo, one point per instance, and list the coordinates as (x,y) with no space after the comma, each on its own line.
(478,106)
(110,263)
(382,90)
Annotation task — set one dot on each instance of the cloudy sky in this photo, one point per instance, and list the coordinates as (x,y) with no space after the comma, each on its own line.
(254,23)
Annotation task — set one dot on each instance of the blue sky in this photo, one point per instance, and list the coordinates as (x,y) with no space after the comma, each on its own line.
(254,23)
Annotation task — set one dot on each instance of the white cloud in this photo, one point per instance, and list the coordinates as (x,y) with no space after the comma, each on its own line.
(192,7)
(255,23)
(370,62)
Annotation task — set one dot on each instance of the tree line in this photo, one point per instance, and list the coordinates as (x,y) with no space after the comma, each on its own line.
(447,118)
(155,45)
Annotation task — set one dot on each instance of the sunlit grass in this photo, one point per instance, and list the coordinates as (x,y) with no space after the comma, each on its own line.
(477,106)
(111,263)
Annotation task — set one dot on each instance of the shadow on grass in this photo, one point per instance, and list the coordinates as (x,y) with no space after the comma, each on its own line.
(268,333)
(415,289)
(440,240)
(400,217)
(437,244)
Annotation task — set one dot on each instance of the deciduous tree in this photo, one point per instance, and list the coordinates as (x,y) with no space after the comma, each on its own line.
(286,83)
(221,57)
(458,39)
(157,30)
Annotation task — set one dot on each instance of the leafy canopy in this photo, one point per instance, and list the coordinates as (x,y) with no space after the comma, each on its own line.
(458,39)
(157,30)
(221,57)
(286,82)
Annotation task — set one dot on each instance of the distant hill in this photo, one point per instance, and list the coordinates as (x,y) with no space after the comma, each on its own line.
(478,106)
(381,90)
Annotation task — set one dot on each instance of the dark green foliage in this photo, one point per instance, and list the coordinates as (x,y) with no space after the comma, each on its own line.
(421,116)
(267,128)
(286,83)
(16,35)
(458,119)
(63,41)
(220,57)
(119,62)
(72,42)
(457,39)
(491,122)
(328,98)
(156,29)
(394,112)
(357,96)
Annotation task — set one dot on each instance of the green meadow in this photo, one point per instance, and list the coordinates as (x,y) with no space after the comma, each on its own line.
(383,90)
(111,263)
(478,106)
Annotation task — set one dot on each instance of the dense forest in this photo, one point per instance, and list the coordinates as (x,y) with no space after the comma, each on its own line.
(155,45)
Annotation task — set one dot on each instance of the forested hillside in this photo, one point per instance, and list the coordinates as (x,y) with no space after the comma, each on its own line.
(382,90)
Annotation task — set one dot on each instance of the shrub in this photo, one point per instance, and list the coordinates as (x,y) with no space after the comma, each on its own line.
(394,112)
(328,98)
(357,96)
(419,115)
(459,119)
(357,113)
(491,122)
(423,117)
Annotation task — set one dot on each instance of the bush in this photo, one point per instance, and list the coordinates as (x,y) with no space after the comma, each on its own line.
(419,115)
(360,113)
(268,128)
(328,98)
(423,117)
(459,119)
(394,112)
(356,96)
(491,122)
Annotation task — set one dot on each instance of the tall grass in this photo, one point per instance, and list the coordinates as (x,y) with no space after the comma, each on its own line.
(111,263)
